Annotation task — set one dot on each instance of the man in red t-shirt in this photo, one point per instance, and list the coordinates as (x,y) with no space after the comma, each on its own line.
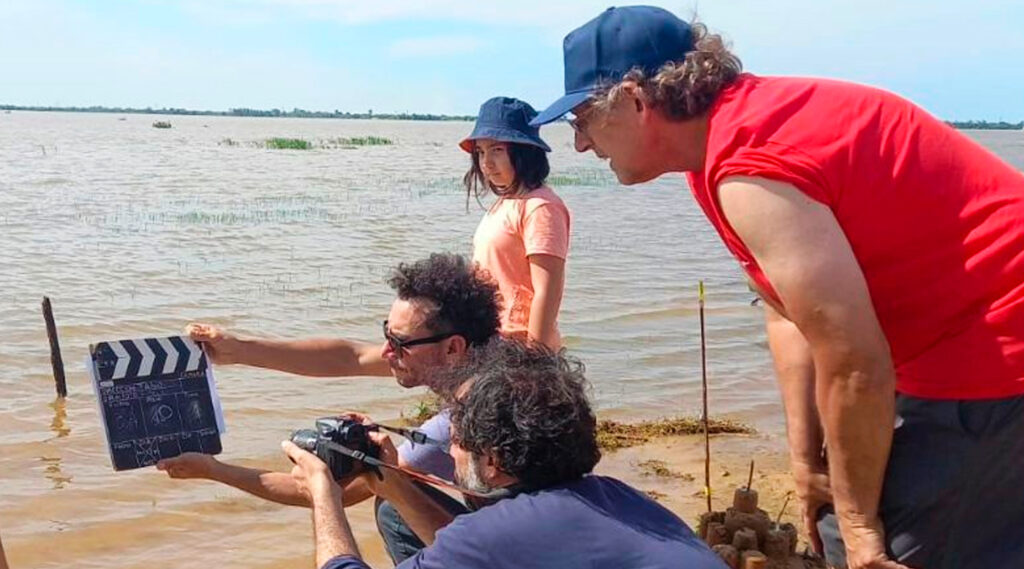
(889,249)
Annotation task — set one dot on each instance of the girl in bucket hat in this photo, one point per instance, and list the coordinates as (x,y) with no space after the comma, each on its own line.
(523,238)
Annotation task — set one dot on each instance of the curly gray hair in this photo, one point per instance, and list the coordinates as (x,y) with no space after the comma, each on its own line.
(528,406)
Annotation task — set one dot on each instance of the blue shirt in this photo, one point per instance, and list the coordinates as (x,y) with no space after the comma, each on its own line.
(592,523)
(431,458)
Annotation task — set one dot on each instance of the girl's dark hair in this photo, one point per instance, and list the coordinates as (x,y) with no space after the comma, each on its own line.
(529,162)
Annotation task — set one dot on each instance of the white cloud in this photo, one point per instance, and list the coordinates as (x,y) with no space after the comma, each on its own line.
(435,46)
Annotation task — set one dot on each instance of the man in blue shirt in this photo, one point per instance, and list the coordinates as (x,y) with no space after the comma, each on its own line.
(522,427)
(444,308)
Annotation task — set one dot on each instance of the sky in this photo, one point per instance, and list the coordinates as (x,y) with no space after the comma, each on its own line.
(960,60)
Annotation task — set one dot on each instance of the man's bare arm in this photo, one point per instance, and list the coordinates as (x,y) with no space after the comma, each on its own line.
(273,486)
(794,368)
(318,357)
(333,534)
(804,253)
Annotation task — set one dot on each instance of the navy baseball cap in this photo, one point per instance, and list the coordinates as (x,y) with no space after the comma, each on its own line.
(507,120)
(605,48)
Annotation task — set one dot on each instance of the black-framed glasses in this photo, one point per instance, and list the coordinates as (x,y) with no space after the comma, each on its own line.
(397,345)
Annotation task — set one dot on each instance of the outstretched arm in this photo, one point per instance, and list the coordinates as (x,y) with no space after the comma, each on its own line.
(277,487)
(273,486)
(311,357)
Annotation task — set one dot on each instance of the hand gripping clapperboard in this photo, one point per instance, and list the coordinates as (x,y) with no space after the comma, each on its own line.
(157,399)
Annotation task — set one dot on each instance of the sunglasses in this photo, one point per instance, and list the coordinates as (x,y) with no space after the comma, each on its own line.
(399,345)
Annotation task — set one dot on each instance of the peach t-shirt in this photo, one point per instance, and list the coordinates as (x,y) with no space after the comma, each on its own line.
(512,230)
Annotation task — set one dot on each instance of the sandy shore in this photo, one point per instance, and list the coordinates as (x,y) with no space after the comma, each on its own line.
(670,469)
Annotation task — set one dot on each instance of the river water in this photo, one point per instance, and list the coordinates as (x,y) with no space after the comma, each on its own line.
(133,231)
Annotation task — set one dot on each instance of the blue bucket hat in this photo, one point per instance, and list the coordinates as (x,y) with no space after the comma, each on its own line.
(607,47)
(507,120)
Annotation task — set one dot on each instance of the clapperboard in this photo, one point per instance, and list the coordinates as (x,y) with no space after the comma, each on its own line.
(157,399)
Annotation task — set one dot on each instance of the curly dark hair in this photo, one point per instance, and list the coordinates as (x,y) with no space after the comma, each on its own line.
(529,162)
(467,299)
(528,405)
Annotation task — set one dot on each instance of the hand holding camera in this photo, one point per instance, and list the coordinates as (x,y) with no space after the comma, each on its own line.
(340,449)
(312,475)
(342,443)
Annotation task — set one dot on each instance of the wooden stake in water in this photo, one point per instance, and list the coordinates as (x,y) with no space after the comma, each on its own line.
(55,359)
(704,395)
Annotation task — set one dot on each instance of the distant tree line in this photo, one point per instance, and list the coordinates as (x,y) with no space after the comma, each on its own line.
(986,125)
(336,114)
(242,112)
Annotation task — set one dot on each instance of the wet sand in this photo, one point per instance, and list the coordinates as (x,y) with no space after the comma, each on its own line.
(669,469)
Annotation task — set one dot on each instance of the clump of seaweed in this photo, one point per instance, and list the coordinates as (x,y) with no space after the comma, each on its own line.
(612,435)
(660,469)
(655,495)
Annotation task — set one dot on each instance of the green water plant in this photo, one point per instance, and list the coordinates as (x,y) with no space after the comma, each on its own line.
(359,141)
(288,144)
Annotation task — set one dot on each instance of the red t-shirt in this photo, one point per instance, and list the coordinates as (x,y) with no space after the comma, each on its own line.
(935,220)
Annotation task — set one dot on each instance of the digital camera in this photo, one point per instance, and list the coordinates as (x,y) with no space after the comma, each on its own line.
(347,433)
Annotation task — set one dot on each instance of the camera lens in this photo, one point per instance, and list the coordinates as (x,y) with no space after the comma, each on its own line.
(306,439)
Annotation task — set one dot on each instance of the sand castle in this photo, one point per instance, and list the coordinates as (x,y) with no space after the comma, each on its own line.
(746,538)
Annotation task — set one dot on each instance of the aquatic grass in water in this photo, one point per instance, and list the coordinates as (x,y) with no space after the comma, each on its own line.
(590,177)
(342,142)
(288,144)
(282,143)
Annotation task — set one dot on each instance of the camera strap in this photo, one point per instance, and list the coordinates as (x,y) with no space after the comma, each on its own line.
(412,435)
(419,475)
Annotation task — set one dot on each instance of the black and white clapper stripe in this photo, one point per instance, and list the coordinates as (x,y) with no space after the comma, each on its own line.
(149,357)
